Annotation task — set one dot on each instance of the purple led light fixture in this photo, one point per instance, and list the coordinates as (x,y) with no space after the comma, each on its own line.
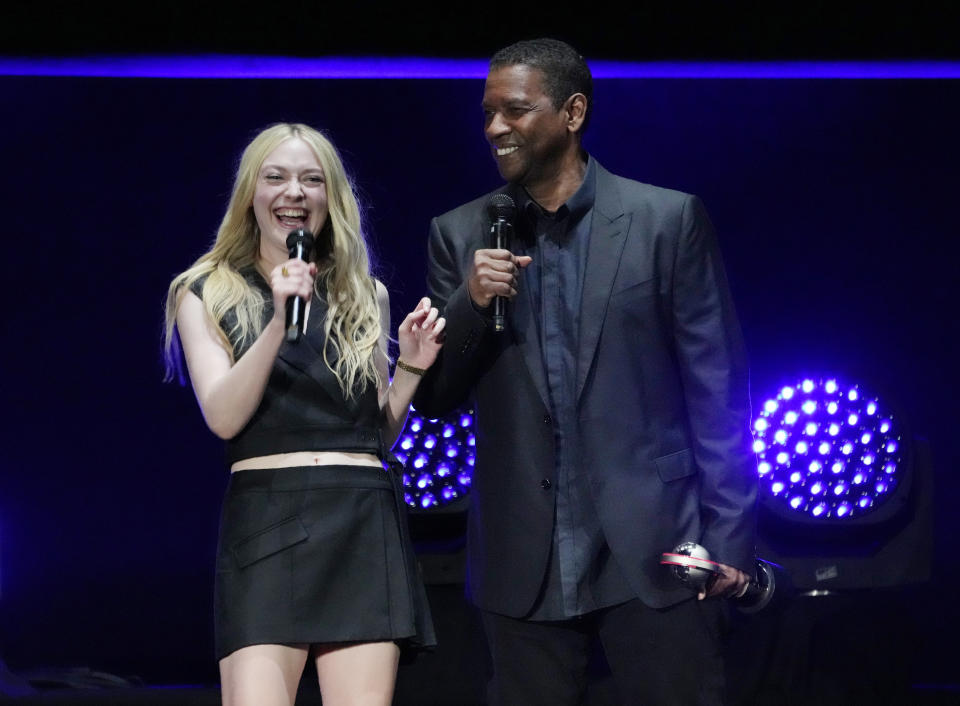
(439,456)
(827,450)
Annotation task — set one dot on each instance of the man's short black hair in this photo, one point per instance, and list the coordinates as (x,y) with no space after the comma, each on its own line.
(565,71)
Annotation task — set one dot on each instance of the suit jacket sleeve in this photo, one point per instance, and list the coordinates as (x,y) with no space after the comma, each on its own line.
(714,375)
(449,380)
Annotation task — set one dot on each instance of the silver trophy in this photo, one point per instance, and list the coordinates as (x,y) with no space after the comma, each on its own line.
(691,564)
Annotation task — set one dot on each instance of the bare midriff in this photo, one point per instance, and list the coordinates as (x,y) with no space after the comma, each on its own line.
(308,458)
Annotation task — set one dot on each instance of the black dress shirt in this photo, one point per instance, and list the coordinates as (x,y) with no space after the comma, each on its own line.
(582,575)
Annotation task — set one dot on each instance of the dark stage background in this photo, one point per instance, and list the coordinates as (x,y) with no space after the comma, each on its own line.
(835,201)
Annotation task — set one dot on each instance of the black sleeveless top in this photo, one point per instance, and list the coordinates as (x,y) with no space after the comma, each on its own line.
(303,407)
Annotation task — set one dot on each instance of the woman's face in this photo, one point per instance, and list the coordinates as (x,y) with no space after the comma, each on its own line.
(291,193)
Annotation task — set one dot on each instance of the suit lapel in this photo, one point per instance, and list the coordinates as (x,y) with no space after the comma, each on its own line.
(607,237)
(307,354)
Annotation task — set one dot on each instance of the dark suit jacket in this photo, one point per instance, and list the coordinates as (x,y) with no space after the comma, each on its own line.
(662,399)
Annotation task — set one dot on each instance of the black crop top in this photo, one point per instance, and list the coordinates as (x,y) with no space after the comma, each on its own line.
(303,407)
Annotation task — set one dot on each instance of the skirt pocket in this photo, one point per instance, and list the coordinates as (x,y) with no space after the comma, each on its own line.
(273,539)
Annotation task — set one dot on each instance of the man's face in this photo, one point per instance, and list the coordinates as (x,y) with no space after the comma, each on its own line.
(528,136)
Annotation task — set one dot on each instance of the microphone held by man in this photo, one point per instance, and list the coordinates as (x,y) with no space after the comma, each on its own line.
(502,211)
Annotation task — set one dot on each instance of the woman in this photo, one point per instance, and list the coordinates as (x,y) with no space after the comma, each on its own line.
(313,558)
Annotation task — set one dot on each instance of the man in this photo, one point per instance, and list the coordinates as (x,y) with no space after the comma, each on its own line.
(612,413)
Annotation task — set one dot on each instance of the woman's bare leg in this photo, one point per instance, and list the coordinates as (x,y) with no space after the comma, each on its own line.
(262,675)
(361,674)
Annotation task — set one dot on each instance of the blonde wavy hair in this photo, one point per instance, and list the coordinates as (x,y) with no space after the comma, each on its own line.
(352,324)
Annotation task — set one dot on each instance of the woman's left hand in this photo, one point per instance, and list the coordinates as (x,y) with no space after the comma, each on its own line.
(420,335)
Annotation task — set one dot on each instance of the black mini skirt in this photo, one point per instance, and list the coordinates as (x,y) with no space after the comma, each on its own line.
(317,555)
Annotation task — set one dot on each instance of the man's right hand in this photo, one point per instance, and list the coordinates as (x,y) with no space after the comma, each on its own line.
(494,274)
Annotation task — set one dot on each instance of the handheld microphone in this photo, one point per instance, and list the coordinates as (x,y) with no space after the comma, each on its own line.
(502,209)
(299,244)
(692,565)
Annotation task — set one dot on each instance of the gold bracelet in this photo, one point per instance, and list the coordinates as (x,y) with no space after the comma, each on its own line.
(410,368)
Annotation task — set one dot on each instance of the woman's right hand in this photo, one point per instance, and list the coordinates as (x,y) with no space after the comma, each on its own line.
(293,278)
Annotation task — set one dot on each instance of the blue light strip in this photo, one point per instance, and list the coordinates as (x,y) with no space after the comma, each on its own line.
(271,67)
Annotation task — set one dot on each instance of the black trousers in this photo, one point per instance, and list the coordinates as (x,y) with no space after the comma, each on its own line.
(668,657)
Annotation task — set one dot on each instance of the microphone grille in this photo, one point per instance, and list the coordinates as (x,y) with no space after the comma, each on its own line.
(298,236)
(501,206)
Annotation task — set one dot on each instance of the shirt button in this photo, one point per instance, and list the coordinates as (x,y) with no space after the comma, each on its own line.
(545,484)
(547,419)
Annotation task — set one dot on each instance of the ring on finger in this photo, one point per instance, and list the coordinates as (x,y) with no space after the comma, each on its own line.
(284,271)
